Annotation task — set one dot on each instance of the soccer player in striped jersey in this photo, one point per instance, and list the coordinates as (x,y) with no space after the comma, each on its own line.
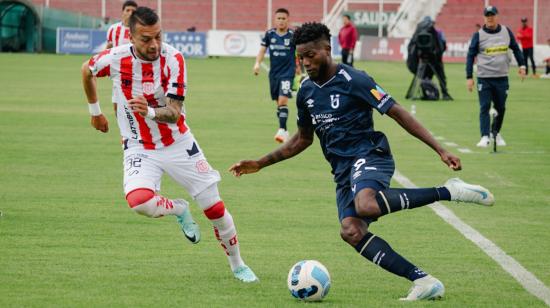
(337,102)
(151,78)
(119,34)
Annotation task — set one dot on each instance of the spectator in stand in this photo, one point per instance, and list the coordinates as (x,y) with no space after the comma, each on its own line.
(525,37)
(347,38)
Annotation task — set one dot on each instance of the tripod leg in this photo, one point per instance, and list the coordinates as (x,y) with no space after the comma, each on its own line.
(413,88)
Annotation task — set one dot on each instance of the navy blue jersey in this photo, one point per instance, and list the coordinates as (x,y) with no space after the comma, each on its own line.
(340,111)
(281,53)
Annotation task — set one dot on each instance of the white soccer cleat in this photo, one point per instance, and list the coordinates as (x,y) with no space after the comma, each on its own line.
(188,226)
(245,274)
(484,142)
(427,287)
(281,136)
(464,192)
(500,141)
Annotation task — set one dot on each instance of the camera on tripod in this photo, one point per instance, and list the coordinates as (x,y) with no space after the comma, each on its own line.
(425,59)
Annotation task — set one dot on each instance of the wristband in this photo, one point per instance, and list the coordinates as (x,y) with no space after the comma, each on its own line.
(150,113)
(94,109)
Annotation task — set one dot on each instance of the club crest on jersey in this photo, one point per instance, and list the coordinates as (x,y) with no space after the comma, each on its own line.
(378,93)
(287,42)
(335,101)
(202,166)
(148,88)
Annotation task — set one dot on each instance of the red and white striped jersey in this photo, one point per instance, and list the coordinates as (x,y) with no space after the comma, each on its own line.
(118,34)
(156,80)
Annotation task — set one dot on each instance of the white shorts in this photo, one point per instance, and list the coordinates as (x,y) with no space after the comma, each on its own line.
(183,161)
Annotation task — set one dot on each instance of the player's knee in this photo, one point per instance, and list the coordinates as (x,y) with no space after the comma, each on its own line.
(216,211)
(366,205)
(138,200)
(208,197)
(351,233)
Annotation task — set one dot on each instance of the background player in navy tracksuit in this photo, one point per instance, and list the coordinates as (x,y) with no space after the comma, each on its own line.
(336,102)
(282,67)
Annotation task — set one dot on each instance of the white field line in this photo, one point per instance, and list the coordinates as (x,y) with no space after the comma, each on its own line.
(464,150)
(265,67)
(529,281)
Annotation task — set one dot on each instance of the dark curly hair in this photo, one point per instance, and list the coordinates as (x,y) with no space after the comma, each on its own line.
(143,16)
(311,32)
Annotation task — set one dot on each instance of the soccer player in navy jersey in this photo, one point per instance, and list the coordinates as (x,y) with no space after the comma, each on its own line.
(336,102)
(282,67)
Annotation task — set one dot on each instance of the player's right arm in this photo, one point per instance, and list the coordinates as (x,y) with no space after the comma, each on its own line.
(110,37)
(97,66)
(259,59)
(261,53)
(473,50)
(300,141)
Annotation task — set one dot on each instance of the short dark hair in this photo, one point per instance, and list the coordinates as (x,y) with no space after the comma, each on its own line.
(129,3)
(282,10)
(311,32)
(348,16)
(144,16)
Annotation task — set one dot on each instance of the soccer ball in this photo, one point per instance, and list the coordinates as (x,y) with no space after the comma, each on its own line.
(308,280)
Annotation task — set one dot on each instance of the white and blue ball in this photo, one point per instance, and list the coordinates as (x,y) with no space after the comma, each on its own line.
(309,280)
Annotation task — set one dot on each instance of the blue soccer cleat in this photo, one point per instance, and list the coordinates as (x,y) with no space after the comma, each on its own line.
(428,288)
(188,226)
(245,274)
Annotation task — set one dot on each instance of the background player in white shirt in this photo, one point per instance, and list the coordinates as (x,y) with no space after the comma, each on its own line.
(151,78)
(119,33)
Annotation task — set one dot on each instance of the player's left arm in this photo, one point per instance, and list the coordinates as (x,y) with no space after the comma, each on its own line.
(413,127)
(167,114)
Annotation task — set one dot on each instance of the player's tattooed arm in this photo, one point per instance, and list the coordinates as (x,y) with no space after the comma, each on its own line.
(167,114)
(295,145)
(170,113)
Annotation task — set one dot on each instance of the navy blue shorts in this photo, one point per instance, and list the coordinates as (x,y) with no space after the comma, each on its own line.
(280,86)
(370,171)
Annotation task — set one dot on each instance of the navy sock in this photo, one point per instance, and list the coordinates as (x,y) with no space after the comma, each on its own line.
(282,114)
(378,251)
(396,199)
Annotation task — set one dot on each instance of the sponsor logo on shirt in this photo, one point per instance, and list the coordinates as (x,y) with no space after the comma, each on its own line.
(497,50)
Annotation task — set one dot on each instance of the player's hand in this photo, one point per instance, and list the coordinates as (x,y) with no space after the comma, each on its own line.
(100,123)
(451,160)
(244,167)
(522,73)
(256,68)
(470,84)
(139,104)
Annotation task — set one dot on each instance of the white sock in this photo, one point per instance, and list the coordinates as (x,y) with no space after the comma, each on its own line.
(226,233)
(159,206)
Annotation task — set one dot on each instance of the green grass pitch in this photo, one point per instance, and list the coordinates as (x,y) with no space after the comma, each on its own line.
(67,237)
